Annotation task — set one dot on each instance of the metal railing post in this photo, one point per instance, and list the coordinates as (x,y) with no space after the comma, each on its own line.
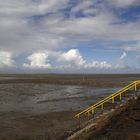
(93,112)
(113,100)
(102,106)
(120,97)
(135,86)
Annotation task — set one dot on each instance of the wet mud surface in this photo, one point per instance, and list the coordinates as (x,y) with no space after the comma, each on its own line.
(41,107)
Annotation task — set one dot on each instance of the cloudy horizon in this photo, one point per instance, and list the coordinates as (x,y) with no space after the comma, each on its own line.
(69,36)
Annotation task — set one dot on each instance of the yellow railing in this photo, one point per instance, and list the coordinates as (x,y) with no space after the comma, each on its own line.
(101,103)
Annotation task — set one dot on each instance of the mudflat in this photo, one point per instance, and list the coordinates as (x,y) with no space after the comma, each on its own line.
(37,107)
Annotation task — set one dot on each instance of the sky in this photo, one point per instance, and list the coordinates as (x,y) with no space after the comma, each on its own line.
(69,36)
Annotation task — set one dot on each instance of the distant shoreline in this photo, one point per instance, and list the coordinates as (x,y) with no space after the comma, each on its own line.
(94,80)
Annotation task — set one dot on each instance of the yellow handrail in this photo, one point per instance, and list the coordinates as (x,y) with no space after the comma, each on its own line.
(110,97)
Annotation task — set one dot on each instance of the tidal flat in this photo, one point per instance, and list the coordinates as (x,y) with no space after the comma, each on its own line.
(42,106)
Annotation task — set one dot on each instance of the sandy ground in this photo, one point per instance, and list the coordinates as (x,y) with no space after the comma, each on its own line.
(26,116)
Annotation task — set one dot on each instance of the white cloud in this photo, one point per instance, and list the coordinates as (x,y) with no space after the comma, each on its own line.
(124,3)
(99,65)
(85,8)
(123,56)
(98,27)
(6,60)
(132,47)
(122,64)
(73,58)
(16,29)
(23,29)
(38,61)
(28,26)
(23,8)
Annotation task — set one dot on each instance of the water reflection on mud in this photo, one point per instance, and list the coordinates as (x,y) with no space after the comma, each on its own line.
(43,98)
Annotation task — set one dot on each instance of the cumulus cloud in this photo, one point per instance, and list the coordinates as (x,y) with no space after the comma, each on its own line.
(6,60)
(73,58)
(38,61)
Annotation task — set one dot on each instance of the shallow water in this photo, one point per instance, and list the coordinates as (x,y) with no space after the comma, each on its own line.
(43,98)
